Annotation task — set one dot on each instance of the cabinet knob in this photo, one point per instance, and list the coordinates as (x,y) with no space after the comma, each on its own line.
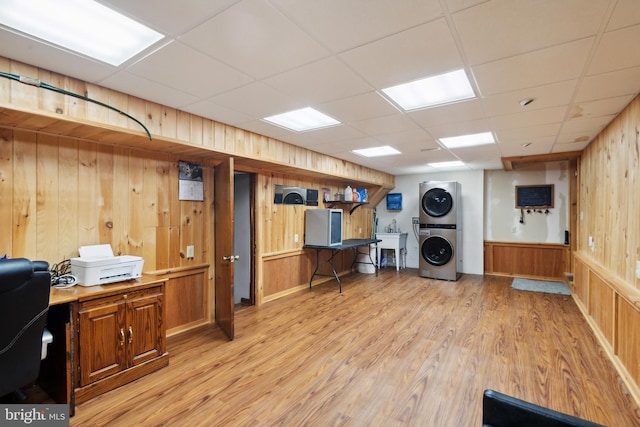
(130,334)
(121,336)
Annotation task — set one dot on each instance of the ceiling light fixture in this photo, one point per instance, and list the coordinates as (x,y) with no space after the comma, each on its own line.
(470,140)
(85,27)
(432,91)
(451,164)
(302,120)
(384,150)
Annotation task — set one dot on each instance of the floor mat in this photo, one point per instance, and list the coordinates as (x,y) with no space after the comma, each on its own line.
(540,286)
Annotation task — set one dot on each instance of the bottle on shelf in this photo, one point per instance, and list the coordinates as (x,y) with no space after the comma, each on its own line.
(348,194)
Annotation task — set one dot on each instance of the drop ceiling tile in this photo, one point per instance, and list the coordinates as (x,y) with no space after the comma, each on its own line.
(203,77)
(451,113)
(458,128)
(359,107)
(588,125)
(550,65)
(572,146)
(216,112)
(412,140)
(385,125)
(267,129)
(530,118)
(321,81)
(615,83)
(528,134)
(601,107)
(413,54)
(617,50)
(256,39)
(626,13)
(530,26)
(551,95)
(456,5)
(484,152)
(146,89)
(538,146)
(169,16)
(342,25)
(257,100)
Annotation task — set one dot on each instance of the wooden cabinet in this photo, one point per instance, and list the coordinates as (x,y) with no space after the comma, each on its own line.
(121,337)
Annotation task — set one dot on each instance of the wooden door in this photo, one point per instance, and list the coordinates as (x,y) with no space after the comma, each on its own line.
(102,341)
(224,255)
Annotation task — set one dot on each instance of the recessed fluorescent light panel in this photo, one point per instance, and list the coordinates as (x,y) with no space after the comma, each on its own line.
(302,120)
(385,150)
(83,26)
(431,91)
(468,140)
(446,164)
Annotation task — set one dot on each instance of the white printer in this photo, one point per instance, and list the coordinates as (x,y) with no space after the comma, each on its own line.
(98,266)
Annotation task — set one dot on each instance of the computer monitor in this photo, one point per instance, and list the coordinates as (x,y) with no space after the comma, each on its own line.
(500,410)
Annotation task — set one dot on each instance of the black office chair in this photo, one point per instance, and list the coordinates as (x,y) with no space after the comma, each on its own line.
(24,302)
(500,410)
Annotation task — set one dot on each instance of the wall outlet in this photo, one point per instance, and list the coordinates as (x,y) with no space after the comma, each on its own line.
(415,220)
(191,251)
(359,230)
(590,241)
(296,239)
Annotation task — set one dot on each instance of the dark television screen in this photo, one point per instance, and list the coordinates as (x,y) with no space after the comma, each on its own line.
(534,196)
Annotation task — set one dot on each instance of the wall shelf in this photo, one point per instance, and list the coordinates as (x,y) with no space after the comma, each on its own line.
(355,205)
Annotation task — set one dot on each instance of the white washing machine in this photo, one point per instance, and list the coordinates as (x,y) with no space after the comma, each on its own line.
(440,203)
(440,252)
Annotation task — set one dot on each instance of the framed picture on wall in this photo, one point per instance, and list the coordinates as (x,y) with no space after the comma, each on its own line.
(394,201)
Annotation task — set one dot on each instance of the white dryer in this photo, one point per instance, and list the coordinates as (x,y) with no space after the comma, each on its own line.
(440,203)
(440,252)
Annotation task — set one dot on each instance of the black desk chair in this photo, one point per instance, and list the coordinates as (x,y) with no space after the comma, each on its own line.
(24,302)
(500,410)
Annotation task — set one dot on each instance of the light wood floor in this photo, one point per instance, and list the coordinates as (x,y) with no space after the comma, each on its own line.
(393,350)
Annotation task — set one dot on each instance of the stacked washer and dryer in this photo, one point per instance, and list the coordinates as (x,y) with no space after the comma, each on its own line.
(440,233)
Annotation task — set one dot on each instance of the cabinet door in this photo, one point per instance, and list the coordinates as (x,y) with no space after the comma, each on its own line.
(145,333)
(102,341)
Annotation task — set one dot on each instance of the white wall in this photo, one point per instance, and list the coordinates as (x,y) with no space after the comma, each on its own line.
(502,219)
(472,186)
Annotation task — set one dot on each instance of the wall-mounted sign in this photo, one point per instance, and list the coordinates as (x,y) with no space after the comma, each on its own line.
(534,196)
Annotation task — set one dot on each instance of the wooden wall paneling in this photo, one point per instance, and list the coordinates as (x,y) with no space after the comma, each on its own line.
(87,197)
(628,343)
(75,107)
(24,195)
(601,306)
(186,303)
(68,220)
(137,212)
(153,118)
(47,198)
(6,188)
(150,188)
(50,100)
(106,199)
(22,94)
(137,108)
(533,260)
(5,84)
(580,283)
(169,122)
(122,207)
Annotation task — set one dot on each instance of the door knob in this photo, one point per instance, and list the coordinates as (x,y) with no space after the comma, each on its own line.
(231,258)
